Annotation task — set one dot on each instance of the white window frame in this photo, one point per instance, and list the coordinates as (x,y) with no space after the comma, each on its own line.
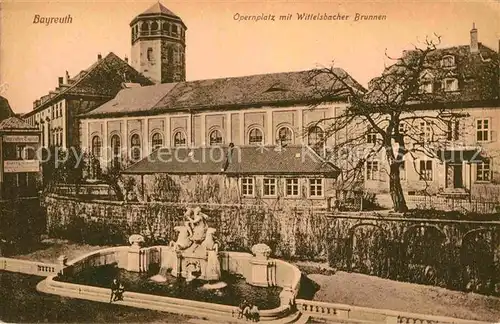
(426,86)
(273,184)
(483,129)
(403,173)
(375,174)
(249,185)
(454,85)
(421,176)
(483,172)
(371,136)
(321,184)
(444,58)
(297,184)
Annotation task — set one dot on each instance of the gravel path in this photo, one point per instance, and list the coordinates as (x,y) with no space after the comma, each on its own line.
(367,291)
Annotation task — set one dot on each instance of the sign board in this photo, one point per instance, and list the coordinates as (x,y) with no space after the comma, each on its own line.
(21,138)
(21,166)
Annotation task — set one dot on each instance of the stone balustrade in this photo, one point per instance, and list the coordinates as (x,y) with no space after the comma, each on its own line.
(348,312)
(30,267)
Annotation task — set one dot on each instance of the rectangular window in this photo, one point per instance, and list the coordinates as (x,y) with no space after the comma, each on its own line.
(453,130)
(426,170)
(450,85)
(315,187)
(425,131)
(292,187)
(372,170)
(482,130)
(269,187)
(426,87)
(484,171)
(448,61)
(247,187)
(371,136)
(402,171)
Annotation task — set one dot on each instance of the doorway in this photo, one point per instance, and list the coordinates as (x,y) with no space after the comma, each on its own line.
(458,181)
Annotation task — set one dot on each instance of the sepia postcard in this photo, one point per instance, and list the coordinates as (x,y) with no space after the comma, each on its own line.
(205,161)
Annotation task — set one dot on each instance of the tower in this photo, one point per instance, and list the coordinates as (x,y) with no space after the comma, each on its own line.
(159,45)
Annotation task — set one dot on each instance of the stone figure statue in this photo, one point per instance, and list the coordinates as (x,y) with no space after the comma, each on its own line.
(196,223)
(183,241)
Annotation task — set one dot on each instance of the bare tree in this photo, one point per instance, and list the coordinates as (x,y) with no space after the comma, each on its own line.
(394,117)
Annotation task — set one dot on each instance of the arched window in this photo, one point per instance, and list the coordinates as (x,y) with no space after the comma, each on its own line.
(179,139)
(135,147)
(166,27)
(115,148)
(96,146)
(285,136)
(156,141)
(150,54)
(215,138)
(154,25)
(316,139)
(145,26)
(174,29)
(255,137)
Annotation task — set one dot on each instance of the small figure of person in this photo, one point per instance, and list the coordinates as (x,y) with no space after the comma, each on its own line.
(244,309)
(254,314)
(114,288)
(119,292)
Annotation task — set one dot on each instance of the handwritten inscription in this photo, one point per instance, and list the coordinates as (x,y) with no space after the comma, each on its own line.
(52,20)
(304,16)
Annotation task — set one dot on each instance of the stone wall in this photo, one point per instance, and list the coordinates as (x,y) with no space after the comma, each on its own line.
(462,255)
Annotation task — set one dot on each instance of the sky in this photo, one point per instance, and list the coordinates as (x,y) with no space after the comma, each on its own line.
(33,56)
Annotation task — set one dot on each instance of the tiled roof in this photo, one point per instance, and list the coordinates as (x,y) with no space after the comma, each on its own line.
(158,8)
(5,110)
(136,99)
(16,124)
(103,78)
(477,73)
(244,160)
(262,89)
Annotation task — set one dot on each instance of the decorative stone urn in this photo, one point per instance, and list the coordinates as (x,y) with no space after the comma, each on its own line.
(259,264)
(135,241)
(261,251)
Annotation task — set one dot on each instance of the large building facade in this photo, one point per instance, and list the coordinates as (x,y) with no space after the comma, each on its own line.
(467,148)
(55,114)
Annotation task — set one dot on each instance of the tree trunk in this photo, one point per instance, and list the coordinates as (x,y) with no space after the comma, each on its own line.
(395,189)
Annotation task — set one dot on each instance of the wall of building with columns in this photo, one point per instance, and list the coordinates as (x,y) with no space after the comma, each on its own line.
(240,127)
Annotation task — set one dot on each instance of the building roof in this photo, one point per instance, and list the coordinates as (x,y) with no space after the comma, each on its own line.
(5,110)
(158,8)
(477,74)
(103,78)
(227,93)
(16,124)
(266,160)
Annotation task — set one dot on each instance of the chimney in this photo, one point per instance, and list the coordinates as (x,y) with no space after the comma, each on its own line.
(61,81)
(99,56)
(67,77)
(474,46)
(126,59)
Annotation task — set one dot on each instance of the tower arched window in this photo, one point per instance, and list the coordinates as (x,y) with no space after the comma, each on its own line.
(115,148)
(179,139)
(166,27)
(96,146)
(215,138)
(156,141)
(315,139)
(135,147)
(150,54)
(255,137)
(154,25)
(174,29)
(145,27)
(285,136)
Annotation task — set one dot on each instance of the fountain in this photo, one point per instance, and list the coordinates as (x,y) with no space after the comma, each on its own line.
(195,254)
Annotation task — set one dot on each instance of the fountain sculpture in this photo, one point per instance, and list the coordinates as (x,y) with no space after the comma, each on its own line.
(195,254)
